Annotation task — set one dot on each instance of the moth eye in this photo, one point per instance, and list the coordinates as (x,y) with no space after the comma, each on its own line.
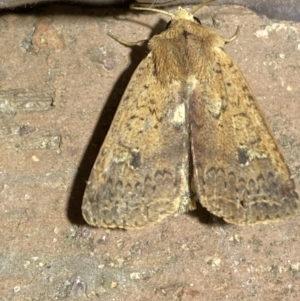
(168,24)
(197,20)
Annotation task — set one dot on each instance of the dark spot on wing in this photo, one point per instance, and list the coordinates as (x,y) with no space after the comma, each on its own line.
(242,155)
(136,159)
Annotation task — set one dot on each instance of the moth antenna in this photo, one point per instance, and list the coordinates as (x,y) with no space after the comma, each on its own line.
(155,5)
(145,8)
(205,3)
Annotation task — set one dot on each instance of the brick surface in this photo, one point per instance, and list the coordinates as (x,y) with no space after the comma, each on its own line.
(61,79)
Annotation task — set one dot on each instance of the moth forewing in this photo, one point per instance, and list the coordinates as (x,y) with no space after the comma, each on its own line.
(240,174)
(188,119)
(141,174)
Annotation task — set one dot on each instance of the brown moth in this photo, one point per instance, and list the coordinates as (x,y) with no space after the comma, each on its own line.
(188,128)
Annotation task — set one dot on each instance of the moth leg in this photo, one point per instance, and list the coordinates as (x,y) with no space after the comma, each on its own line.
(233,37)
(126,43)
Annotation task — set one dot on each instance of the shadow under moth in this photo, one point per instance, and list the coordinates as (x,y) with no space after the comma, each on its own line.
(188,129)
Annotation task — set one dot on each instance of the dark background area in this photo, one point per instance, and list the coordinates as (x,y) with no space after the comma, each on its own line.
(274,9)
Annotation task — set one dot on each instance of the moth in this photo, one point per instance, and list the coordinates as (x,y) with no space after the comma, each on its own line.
(188,129)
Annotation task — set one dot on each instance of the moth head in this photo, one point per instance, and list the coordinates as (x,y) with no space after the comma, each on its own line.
(183,14)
